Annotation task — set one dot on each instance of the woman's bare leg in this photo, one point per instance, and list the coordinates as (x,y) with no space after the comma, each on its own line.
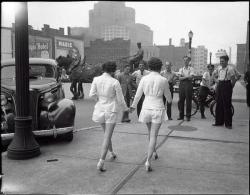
(109,128)
(149,130)
(153,138)
(110,148)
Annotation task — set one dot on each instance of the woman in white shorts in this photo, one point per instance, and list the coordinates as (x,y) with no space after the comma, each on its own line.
(108,93)
(154,86)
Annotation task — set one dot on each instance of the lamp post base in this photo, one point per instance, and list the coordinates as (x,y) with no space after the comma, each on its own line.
(23,145)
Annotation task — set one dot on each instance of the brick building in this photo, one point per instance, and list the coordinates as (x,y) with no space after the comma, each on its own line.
(101,51)
(45,43)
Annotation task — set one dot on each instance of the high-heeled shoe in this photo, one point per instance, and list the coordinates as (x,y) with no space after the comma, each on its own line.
(100,166)
(148,166)
(113,155)
(155,155)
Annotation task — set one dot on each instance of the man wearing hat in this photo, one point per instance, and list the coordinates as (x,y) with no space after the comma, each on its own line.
(227,77)
(186,74)
(206,88)
(134,62)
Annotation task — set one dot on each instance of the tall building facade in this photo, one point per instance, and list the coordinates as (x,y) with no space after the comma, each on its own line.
(240,59)
(109,20)
(175,56)
(199,59)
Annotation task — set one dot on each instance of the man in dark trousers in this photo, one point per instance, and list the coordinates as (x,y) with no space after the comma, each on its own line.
(134,62)
(226,79)
(171,77)
(127,84)
(186,74)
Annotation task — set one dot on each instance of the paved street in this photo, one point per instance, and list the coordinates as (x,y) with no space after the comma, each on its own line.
(194,157)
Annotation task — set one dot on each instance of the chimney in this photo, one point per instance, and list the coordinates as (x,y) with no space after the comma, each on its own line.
(69,31)
(170,41)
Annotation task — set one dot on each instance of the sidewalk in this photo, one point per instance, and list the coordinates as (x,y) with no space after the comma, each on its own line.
(194,157)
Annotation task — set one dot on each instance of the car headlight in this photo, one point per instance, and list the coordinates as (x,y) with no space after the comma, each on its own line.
(3,100)
(49,97)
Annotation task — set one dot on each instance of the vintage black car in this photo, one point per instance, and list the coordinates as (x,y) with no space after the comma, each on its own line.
(52,114)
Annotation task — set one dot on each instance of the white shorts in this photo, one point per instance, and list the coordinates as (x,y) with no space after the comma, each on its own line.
(104,117)
(150,115)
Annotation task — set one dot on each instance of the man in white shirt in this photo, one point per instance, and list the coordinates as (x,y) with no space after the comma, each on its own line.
(171,77)
(226,78)
(138,74)
(186,74)
(206,88)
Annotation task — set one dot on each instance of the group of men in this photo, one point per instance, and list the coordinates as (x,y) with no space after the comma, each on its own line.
(220,80)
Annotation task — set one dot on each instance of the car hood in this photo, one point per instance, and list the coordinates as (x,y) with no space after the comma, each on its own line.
(36,83)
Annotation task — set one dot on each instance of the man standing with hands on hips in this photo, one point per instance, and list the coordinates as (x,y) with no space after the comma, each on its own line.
(186,74)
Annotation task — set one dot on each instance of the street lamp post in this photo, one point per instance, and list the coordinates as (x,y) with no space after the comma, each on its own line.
(23,145)
(190,35)
(210,55)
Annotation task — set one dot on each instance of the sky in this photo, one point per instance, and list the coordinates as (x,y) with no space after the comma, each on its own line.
(216,25)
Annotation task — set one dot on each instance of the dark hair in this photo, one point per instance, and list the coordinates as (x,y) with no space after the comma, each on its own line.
(143,62)
(109,66)
(127,65)
(210,65)
(225,57)
(139,43)
(155,64)
(186,57)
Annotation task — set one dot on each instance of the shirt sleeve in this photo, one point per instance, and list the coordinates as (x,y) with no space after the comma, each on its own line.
(138,94)
(119,96)
(167,92)
(191,71)
(93,90)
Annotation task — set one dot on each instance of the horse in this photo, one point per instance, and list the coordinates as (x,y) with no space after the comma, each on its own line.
(80,72)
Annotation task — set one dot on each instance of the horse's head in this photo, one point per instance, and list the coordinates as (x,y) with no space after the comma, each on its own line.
(64,62)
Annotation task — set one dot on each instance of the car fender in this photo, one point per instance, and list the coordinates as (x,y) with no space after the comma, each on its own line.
(62,113)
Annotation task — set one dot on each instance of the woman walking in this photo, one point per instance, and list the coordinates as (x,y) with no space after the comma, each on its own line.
(154,86)
(108,93)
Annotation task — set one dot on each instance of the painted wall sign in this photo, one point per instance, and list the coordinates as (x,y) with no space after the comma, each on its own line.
(64,44)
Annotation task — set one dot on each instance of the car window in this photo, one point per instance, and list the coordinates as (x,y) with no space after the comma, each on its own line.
(43,70)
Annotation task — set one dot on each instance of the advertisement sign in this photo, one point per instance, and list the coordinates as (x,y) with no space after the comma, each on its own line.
(62,44)
(39,48)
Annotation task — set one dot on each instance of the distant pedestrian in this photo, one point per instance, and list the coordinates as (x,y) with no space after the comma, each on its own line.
(186,74)
(127,84)
(138,74)
(227,78)
(154,86)
(171,76)
(134,62)
(206,87)
(247,81)
(108,93)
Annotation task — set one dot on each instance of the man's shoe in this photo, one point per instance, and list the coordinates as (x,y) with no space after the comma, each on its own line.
(216,124)
(188,118)
(203,117)
(126,121)
(155,155)
(180,118)
(170,119)
(229,127)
